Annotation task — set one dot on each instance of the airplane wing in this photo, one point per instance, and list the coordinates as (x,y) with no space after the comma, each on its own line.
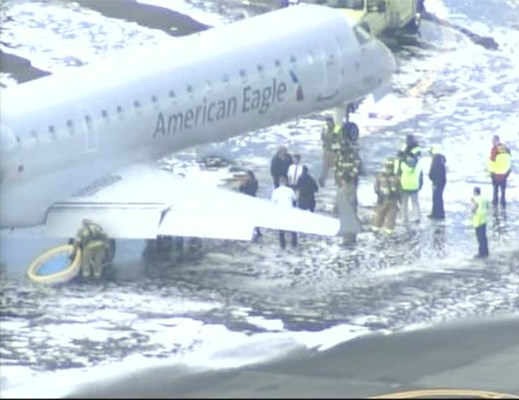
(143,202)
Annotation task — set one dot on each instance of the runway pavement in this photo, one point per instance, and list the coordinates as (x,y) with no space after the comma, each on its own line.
(470,359)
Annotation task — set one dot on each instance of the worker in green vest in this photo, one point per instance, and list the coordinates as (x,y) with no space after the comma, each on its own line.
(479,222)
(409,156)
(499,166)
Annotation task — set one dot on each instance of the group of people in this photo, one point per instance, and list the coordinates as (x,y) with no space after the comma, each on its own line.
(402,178)
(499,166)
(399,183)
(293,187)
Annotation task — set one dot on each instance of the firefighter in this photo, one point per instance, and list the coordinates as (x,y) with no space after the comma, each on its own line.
(387,188)
(330,137)
(347,170)
(93,242)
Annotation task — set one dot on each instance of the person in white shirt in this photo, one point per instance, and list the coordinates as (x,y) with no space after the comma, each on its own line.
(285,197)
(294,171)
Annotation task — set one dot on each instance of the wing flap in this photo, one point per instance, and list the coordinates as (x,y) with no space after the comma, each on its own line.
(145,202)
(119,220)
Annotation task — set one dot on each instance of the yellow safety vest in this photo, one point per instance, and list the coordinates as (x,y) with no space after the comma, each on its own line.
(480,215)
(409,178)
(502,163)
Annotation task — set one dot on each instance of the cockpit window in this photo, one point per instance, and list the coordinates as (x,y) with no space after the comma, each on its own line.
(362,35)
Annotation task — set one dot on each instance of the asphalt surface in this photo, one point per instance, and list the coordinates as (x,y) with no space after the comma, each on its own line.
(469,358)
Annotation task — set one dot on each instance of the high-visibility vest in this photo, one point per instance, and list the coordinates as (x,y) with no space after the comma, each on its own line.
(409,177)
(480,215)
(336,138)
(502,163)
(327,136)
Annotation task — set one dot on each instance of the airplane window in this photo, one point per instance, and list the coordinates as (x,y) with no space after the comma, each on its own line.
(104,113)
(136,103)
(154,99)
(363,37)
(171,93)
(70,126)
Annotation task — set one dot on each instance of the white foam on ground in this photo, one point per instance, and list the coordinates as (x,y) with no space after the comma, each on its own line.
(197,13)
(220,348)
(56,36)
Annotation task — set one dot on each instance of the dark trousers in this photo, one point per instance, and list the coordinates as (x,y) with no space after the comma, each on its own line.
(275,180)
(282,241)
(307,205)
(437,202)
(499,184)
(481,235)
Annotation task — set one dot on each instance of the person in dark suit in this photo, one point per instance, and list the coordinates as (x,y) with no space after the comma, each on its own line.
(279,165)
(438,177)
(306,187)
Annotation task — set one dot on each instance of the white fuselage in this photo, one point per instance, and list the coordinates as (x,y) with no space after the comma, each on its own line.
(59,133)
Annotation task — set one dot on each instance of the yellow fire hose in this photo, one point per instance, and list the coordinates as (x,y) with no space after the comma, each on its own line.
(58,277)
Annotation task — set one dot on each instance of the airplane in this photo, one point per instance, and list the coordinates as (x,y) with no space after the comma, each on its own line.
(78,144)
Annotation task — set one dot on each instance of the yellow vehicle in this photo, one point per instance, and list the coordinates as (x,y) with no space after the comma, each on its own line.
(380,17)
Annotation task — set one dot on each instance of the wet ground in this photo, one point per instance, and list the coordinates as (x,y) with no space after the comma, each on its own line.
(238,303)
